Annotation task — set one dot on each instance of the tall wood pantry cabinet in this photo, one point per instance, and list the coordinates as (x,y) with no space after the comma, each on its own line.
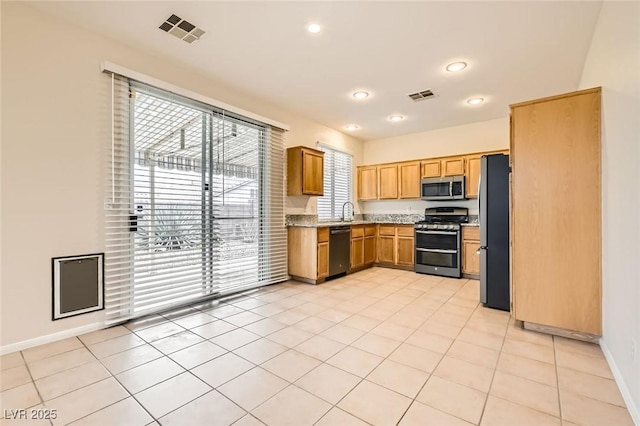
(556,214)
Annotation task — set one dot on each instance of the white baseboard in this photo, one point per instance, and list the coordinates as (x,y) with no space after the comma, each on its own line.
(624,390)
(36,341)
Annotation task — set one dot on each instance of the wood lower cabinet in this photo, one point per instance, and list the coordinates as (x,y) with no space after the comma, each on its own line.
(308,253)
(409,180)
(396,245)
(386,249)
(305,171)
(405,251)
(323,260)
(470,246)
(388,181)
(386,245)
(368,183)
(556,212)
(357,246)
(369,250)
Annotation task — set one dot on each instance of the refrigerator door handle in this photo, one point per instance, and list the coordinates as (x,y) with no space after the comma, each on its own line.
(479,195)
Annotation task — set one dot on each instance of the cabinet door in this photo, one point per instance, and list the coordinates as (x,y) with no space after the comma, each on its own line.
(473,176)
(312,173)
(388,178)
(357,252)
(405,251)
(431,168)
(323,260)
(453,166)
(367,183)
(369,250)
(409,180)
(470,257)
(386,249)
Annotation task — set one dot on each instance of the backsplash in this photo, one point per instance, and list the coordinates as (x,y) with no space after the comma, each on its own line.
(393,217)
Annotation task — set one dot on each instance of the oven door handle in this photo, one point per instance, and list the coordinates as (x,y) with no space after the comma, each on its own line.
(438,232)
(437,250)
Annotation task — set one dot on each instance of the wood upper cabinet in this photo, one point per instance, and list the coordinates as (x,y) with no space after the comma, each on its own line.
(431,168)
(473,175)
(368,183)
(305,171)
(470,246)
(388,181)
(440,167)
(556,211)
(409,179)
(453,166)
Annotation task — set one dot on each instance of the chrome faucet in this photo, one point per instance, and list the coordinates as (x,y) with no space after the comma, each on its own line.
(352,211)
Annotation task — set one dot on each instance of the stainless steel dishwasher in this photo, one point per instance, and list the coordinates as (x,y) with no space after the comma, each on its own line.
(339,249)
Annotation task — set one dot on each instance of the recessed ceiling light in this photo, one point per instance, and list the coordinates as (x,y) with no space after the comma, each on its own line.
(351,127)
(475,101)
(360,94)
(313,28)
(456,66)
(396,117)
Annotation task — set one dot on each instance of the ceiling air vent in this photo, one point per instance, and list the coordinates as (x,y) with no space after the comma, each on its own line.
(420,96)
(184,30)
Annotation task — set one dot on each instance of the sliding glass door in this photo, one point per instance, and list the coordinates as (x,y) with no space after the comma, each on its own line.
(196,195)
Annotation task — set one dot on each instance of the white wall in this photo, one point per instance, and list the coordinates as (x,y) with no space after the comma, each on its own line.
(55,134)
(613,62)
(475,137)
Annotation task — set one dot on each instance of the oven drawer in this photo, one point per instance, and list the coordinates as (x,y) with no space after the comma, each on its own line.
(437,257)
(432,239)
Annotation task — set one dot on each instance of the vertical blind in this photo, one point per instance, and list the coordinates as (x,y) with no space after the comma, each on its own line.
(195,202)
(338,173)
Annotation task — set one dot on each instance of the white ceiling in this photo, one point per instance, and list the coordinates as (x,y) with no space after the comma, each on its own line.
(516,51)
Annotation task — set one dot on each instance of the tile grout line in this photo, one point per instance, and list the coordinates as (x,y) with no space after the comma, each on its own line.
(119,383)
(443,356)
(555,367)
(495,370)
(33,382)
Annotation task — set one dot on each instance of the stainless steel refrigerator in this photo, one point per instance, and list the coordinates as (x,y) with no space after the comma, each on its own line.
(493,200)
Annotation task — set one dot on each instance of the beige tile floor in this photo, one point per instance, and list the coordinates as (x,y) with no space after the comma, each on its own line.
(380,347)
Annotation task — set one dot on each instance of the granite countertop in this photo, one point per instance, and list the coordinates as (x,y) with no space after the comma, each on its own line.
(353,222)
(476,224)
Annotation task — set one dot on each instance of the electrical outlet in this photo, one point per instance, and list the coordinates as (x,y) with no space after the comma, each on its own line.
(634,349)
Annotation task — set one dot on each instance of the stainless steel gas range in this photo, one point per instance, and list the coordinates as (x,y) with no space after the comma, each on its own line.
(438,241)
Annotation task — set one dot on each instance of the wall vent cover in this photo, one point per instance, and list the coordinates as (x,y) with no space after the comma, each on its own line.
(420,96)
(184,30)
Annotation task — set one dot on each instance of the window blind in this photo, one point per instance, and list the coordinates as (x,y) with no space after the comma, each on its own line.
(195,202)
(338,173)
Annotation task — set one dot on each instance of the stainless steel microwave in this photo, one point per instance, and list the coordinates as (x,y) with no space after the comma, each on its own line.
(444,188)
